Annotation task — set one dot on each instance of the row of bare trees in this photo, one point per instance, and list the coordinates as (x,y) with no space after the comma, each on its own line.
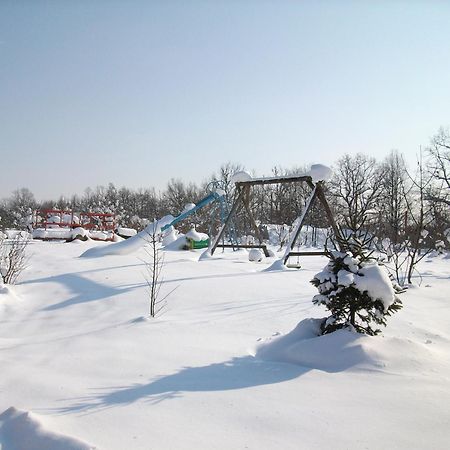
(385,198)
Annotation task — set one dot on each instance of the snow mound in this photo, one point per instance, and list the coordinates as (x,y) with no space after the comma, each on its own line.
(188,207)
(22,430)
(205,255)
(194,235)
(52,233)
(278,264)
(127,232)
(170,235)
(241,176)
(375,280)
(129,245)
(177,244)
(343,350)
(319,172)
(255,255)
(100,235)
(12,234)
(79,232)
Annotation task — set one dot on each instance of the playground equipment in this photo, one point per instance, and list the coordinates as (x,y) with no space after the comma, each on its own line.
(55,218)
(314,179)
(51,224)
(213,196)
(196,240)
(221,211)
(139,240)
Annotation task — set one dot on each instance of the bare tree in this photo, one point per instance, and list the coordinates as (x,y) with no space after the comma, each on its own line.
(356,187)
(414,242)
(419,219)
(393,205)
(282,233)
(154,266)
(13,259)
(225,176)
(438,193)
(439,152)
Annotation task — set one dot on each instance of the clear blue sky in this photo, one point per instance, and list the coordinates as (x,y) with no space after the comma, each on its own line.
(137,92)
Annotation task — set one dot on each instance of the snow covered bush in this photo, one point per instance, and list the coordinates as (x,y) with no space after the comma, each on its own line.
(356,290)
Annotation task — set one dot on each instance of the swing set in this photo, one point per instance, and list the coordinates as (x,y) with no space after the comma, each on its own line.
(242,199)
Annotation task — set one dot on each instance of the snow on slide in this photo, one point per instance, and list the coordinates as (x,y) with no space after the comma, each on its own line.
(129,245)
(21,430)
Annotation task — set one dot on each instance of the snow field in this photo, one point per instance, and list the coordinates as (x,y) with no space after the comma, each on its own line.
(78,352)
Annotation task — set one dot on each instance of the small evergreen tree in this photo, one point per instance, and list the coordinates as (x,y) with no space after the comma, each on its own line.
(355,289)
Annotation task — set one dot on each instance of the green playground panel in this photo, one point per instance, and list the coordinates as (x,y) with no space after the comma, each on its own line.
(198,244)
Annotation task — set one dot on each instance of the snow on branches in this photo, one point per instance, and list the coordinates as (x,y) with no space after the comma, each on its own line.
(356,290)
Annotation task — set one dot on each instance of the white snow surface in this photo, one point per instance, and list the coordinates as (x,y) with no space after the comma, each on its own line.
(69,233)
(128,232)
(170,235)
(177,244)
(234,361)
(345,278)
(12,234)
(54,233)
(22,430)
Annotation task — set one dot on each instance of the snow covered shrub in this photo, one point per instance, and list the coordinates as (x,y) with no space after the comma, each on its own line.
(356,290)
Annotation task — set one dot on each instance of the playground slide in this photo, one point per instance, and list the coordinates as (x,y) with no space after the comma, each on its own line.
(131,244)
(139,240)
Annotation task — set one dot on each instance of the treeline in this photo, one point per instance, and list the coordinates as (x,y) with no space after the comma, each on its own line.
(384,197)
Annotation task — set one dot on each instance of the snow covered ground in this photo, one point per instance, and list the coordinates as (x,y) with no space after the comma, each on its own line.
(225,367)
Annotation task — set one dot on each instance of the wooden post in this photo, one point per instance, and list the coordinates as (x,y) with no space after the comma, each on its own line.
(300,225)
(329,214)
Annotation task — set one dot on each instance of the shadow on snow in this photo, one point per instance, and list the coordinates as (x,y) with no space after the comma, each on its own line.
(238,373)
(85,290)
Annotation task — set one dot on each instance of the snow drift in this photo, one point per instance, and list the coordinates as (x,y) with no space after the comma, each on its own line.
(22,430)
(344,350)
(130,245)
